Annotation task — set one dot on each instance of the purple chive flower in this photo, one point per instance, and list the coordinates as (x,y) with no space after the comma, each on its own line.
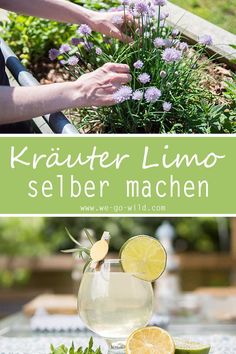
(123,94)
(144,78)
(137,95)
(163,74)
(64,48)
(160,2)
(124,2)
(175,32)
(98,51)
(141,7)
(73,60)
(63,62)
(117,20)
(168,43)
(164,15)
(167,106)
(53,54)
(162,24)
(159,42)
(152,94)
(171,55)
(138,64)
(84,30)
(88,46)
(76,41)
(183,46)
(206,40)
(152,11)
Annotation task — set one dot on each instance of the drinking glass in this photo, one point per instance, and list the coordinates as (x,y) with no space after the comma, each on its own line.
(113,303)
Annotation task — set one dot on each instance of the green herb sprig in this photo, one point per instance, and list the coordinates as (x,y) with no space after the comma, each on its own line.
(62,349)
(81,251)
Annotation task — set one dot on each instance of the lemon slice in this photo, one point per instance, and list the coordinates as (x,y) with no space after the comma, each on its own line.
(183,346)
(144,257)
(150,340)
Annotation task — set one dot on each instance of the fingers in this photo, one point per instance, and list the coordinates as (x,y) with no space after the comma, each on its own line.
(112,87)
(128,17)
(115,32)
(128,22)
(111,90)
(126,39)
(118,34)
(108,101)
(116,68)
(121,79)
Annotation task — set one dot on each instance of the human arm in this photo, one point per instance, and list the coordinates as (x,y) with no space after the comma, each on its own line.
(68,12)
(92,89)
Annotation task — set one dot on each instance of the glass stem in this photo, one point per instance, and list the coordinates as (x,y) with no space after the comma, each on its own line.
(116,347)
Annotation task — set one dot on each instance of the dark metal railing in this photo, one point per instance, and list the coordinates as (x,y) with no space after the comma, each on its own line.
(58,122)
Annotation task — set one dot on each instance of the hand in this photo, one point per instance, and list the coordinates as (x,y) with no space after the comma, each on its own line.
(104,22)
(97,88)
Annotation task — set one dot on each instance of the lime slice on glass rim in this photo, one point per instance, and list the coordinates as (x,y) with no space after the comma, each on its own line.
(183,346)
(144,257)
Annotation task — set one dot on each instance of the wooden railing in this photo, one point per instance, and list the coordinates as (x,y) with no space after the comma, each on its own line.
(187,261)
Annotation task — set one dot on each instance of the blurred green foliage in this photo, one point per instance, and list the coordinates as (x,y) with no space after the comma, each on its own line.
(36,237)
(28,237)
(192,234)
(221,13)
(25,237)
(31,38)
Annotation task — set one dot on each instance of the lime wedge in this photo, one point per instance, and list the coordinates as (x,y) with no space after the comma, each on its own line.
(144,257)
(183,346)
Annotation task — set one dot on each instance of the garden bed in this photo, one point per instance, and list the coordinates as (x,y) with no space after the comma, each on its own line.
(47,73)
(216,103)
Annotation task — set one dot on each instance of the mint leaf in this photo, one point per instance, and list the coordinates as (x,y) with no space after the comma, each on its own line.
(62,349)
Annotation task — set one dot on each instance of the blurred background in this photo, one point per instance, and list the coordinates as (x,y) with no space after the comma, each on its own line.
(201,258)
(31,38)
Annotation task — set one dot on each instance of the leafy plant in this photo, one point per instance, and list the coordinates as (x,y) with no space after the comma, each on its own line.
(167,94)
(231,90)
(62,349)
(219,116)
(31,38)
(81,251)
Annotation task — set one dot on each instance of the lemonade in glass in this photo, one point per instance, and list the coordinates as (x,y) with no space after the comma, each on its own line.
(113,303)
(116,296)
